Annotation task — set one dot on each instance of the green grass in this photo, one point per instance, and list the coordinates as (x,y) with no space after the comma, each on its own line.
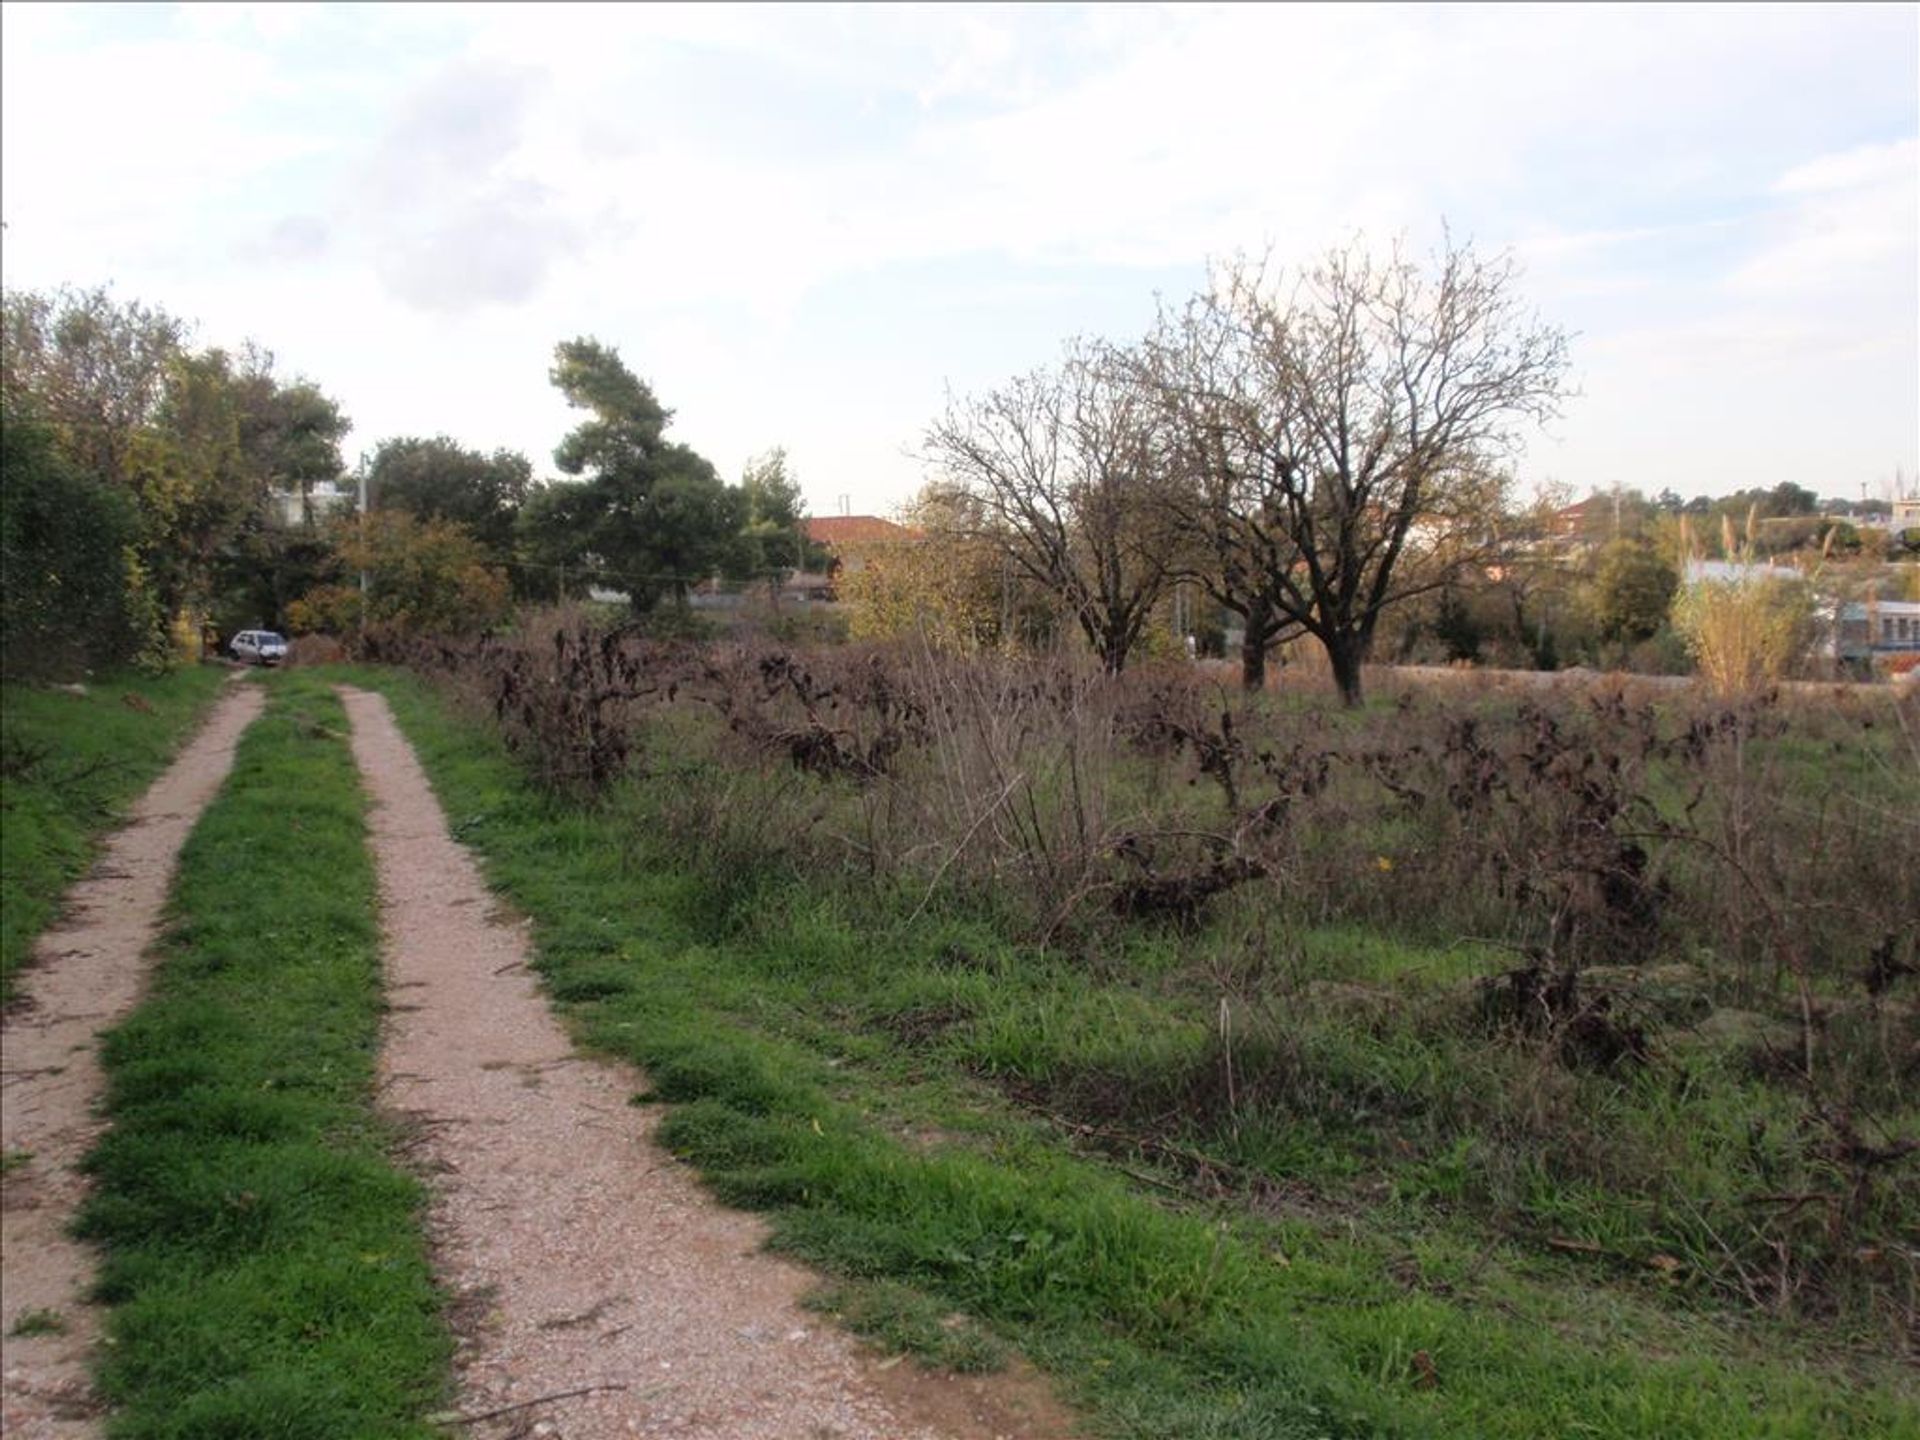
(851,1076)
(262,1257)
(38,1322)
(901,1321)
(69,764)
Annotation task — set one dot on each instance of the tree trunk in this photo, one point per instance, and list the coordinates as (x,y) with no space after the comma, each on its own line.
(1344,652)
(1253,664)
(1253,647)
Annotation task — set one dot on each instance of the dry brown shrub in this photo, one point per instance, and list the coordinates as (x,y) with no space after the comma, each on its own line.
(315,650)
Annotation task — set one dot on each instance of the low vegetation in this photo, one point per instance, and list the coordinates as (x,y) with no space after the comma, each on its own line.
(262,1257)
(1492,1066)
(70,761)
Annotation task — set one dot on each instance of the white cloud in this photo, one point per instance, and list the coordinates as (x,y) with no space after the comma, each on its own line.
(413,203)
(1846,230)
(1865,165)
(452,213)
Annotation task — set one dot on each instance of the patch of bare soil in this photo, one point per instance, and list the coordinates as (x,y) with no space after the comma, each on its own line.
(87,972)
(598,1291)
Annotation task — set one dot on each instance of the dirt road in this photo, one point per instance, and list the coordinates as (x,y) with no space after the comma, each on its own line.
(586,1263)
(87,972)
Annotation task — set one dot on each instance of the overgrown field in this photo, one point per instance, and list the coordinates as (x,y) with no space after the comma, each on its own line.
(69,764)
(262,1256)
(1501,1066)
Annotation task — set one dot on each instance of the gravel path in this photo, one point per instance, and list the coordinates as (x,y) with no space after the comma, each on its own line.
(87,973)
(581,1256)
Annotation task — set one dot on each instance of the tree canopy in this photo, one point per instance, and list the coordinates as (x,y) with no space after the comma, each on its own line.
(424,577)
(651,517)
(66,539)
(194,441)
(1067,468)
(1337,424)
(441,479)
(774,543)
(1633,588)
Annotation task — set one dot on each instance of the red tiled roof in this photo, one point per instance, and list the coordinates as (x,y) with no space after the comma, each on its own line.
(855,530)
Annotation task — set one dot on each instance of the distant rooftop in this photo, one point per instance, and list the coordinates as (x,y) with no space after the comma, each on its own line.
(856,530)
(1738,570)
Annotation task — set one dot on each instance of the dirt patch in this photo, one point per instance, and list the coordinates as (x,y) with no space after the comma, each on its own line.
(587,1265)
(1015,1404)
(87,972)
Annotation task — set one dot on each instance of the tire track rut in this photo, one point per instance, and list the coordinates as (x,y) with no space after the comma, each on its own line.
(88,972)
(598,1291)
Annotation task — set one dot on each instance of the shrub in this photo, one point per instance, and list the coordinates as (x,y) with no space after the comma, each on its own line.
(65,548)
(1743,633)
(1633,586)
(425,577)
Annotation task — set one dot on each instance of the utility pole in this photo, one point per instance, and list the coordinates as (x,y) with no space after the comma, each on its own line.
(363,546)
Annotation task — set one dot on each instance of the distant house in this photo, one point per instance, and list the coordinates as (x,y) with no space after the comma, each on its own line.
(1571,522)
(798,586)
(852,535)
(809,585)
(294,508)
(853,542)
(1906,514)
(1864,629)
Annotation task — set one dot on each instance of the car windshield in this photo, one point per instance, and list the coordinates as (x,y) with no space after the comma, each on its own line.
(267,637)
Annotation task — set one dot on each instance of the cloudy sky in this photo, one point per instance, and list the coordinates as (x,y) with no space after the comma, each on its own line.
(803,225)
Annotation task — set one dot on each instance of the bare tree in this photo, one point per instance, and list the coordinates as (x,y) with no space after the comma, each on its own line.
(1335,431)
(1065,466)
(1235,550)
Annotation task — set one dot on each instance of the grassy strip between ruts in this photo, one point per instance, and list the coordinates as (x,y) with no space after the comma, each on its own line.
(69,763)
(1162,1318)
(264,1260)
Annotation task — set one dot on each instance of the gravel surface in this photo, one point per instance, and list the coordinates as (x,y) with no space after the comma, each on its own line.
(586,1264)
(87,973)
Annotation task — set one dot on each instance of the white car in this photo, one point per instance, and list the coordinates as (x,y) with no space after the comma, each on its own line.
(259,647)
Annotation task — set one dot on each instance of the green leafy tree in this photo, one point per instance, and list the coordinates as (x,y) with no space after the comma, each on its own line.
(91,368)
(774,542)
(66,540)
(264,568)
(197,484)
(1455,626)
(290,436)
(1633,587)
(552,541)
(1787,498)
(440,479)
(424,577)
(94,372)
(197,440)
(290,432)
(1781,501)
(654,518)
